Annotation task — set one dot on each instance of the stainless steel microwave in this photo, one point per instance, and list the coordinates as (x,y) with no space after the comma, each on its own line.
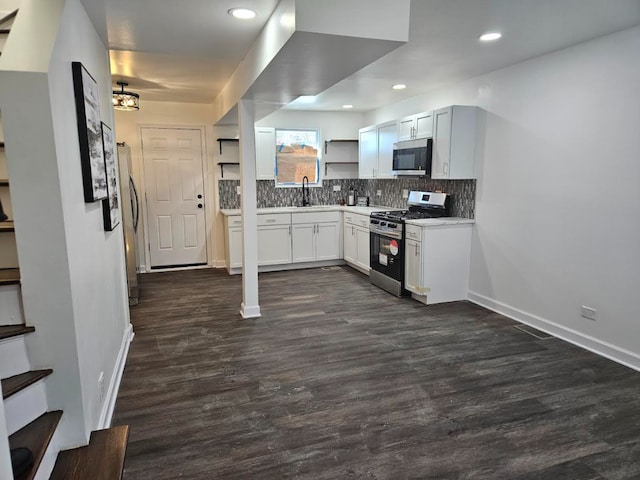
(413,157)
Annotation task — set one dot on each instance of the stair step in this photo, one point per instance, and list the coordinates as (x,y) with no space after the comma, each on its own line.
(8,331)
(8,17)
(102,459)
(19,382)
(9,276)
(7,226)
(4,182)
(4,31)
(36,437)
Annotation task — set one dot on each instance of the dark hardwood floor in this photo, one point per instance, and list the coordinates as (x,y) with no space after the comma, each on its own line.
(340,380)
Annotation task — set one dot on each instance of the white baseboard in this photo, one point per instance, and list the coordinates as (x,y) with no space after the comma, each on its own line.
(219,264)
(604,349)
(249,312)
(106,414)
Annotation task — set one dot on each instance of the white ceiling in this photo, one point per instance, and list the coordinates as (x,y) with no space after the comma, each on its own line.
(186,51)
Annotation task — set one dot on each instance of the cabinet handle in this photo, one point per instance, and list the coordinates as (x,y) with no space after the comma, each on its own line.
(445,167)
(417,251)
(353,230)
(289,230)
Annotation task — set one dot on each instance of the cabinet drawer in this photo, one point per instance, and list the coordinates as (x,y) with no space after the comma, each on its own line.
(350,218)
(315,217)
(362,220)
(274,219)
(234,221)
(414,232)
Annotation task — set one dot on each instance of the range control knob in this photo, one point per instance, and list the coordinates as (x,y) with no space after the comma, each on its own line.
(392,225)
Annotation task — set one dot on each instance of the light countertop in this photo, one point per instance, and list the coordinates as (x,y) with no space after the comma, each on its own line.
(432,222)
(314,208)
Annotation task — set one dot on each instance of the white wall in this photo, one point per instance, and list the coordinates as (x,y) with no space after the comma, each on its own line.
(558,202)
(96,257)
(172,114)
(73,274)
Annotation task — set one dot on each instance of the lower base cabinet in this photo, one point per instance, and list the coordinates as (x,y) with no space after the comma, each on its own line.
(288,238)
(356,241)
(316,236)
(437,262)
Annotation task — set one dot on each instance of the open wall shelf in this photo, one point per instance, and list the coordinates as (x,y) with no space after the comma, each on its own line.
(347,140)
(223,140)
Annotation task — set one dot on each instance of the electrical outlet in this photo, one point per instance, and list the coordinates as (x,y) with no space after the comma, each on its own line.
(588,312)
(337,188)
(101,386)
(238,190)
(379,193)
(405,193)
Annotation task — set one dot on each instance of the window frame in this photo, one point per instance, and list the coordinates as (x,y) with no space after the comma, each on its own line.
(318,183)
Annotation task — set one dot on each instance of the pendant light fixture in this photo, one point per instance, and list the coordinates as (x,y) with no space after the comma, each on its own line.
(125,100)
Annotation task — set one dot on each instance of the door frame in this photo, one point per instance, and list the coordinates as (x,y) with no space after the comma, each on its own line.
(209,204)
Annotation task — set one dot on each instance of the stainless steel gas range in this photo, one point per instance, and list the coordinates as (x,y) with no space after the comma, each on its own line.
(387,238)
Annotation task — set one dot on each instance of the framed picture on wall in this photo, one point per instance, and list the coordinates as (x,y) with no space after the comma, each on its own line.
(94,177)
(110,205)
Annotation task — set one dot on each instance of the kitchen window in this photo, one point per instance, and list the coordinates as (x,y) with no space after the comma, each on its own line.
(297,156)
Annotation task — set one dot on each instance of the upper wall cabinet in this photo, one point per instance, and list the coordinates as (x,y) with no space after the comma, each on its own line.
(265,153)
(415,126)
(376,150)
(454,140)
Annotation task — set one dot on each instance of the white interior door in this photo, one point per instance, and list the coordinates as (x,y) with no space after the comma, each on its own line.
(175,196)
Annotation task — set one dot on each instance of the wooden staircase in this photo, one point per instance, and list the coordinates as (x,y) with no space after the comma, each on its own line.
(29,422)
(102,459)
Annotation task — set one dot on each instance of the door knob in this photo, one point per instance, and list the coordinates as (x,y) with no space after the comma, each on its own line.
(199,205)
(199,196)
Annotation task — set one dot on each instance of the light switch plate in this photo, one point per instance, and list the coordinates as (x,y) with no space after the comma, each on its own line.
(405,193)
(337,188)
(238,190)
(379,193)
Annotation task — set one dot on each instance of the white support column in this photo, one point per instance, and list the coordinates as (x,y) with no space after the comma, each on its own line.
(249,204)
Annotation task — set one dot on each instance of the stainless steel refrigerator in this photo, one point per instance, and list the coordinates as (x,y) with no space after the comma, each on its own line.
(130,217)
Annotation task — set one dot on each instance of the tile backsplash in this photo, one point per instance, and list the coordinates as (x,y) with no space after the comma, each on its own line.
(463,191)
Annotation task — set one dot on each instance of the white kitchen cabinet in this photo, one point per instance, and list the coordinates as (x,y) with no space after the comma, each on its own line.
(274,239)
(376,150)
(265,153)
(233,241)
(368,152)
(316,236)
(350,246)
(415,126)
(413,267)
(356,241)
(437,262)
(454,140)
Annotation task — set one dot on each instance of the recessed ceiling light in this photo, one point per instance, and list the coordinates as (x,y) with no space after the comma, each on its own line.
(242,13)
(490,37)
(399,86)
(347,106)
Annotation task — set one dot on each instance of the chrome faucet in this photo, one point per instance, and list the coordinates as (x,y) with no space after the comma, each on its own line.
(305,192)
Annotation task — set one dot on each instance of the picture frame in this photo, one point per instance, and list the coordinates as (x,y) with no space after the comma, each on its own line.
(87,99)
(110,205)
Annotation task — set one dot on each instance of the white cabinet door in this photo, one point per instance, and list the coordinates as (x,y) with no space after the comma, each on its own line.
(413,267)
(328,241)
(387,136)
(442,143)
(303,242)
(454,142)
(235,247)
(423,125)
(274,245)
(265,153)
(350,245)
(362,241)
(368,149)
(405,128)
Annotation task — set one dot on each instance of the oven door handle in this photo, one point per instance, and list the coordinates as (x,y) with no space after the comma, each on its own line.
(384,233)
